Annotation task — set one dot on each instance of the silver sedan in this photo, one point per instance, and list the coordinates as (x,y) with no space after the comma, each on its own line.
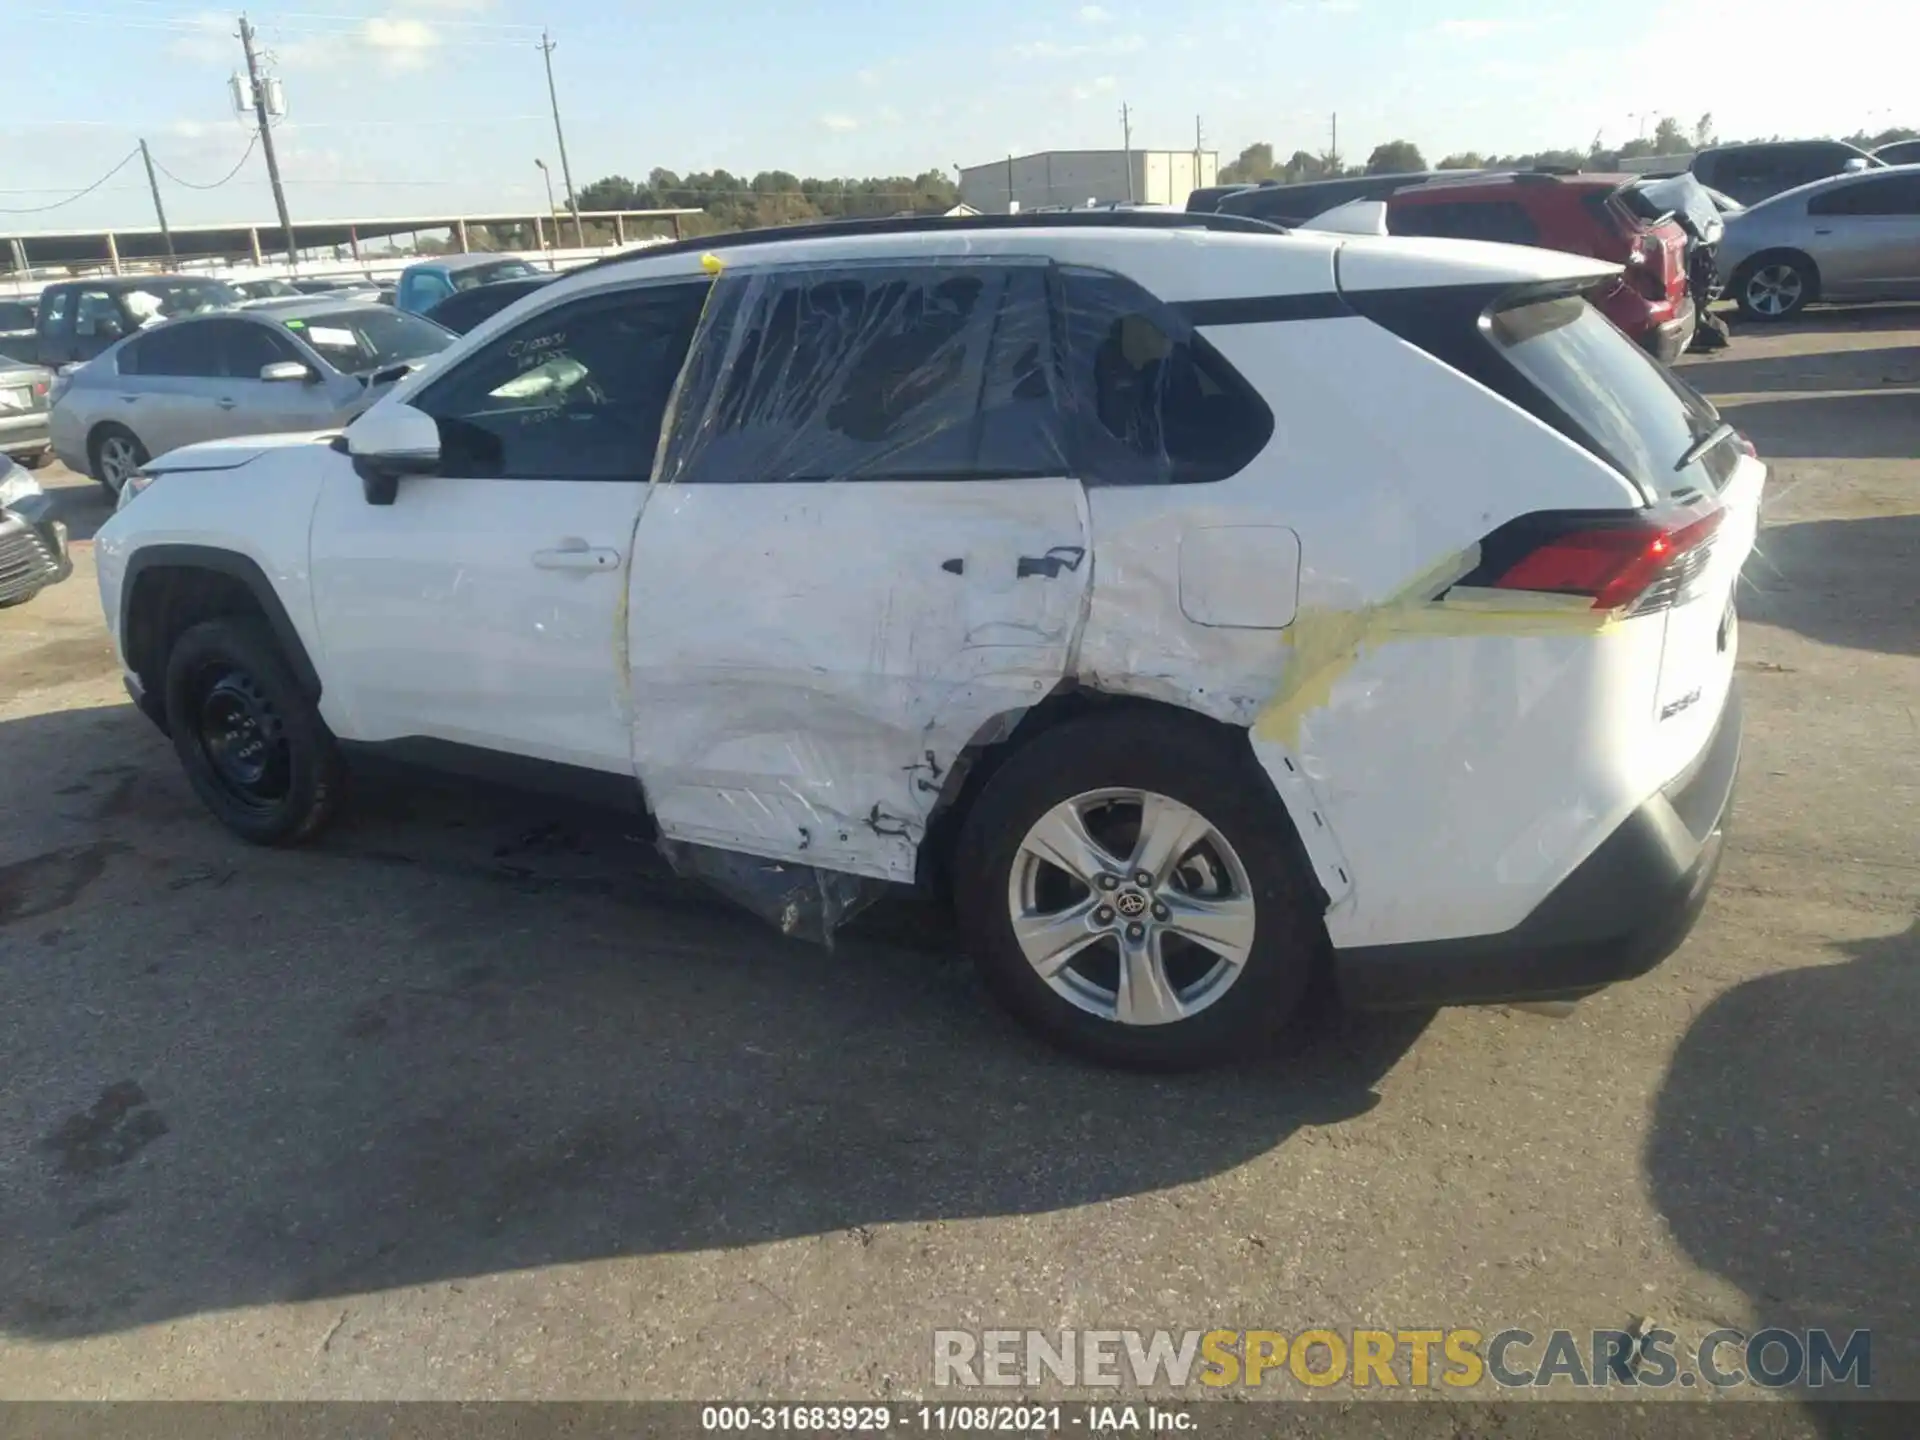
(1850,237)
(296,366)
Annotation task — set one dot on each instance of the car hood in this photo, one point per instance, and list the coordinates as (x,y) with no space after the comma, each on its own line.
(232,453)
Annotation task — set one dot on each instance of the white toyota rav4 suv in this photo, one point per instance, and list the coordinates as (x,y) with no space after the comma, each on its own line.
(1196,604)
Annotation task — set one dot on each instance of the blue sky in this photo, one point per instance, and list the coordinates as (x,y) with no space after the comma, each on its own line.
(412,106)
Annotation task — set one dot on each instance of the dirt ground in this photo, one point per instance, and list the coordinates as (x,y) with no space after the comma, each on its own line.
(472,1099)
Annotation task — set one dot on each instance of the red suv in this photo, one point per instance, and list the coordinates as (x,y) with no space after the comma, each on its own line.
(1579,213)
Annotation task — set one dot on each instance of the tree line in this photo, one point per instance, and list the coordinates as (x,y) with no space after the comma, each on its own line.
(1258,162)
(778,197)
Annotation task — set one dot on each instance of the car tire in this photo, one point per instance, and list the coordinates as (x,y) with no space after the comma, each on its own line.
(113,453)
(1775,287)
(1193,1006)
(253,745)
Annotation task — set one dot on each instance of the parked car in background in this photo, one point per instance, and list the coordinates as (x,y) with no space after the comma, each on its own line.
(334,285)
(1206,201)
(269,289)
(303,367)
(19,335)
(426,283)
(1297,204)
(1899,152)
(24,390)
(1191,476)
(80,319)
(33,543)
(464,309)
(1752,173)
(1851,237)
(1595,215)
(1691,206)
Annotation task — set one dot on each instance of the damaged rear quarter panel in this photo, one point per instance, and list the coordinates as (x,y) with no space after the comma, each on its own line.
(1389,467)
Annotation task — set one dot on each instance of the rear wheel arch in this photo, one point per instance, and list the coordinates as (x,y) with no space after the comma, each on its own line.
(168,589)
(1001,738)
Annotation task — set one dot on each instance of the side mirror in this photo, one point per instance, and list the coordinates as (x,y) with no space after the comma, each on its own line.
(390,441)
(287,372)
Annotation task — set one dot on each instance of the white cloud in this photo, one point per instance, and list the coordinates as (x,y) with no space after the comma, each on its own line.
(403,40)
(1095,14)
(839,124)
(1054,50)
(1100,85)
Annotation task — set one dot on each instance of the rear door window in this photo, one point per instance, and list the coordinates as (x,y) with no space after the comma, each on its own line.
(1153,403)
(181,351)
(1891,195)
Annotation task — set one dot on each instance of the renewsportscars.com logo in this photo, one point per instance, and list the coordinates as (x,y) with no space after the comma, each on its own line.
(1458,1359)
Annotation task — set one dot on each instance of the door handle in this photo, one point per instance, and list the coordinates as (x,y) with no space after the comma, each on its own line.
(1823,232)
(226,402)
(576,557)
(1049,565)
(128,399)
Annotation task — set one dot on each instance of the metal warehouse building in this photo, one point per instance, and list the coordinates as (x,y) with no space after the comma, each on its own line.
(1073,177)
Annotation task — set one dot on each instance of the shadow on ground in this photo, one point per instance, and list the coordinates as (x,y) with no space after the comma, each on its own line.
(1883,426)
(1841,582)
(465,1036)
(1786,1148)
(1730,373)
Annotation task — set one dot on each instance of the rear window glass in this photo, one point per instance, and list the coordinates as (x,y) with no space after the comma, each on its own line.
(1632,410)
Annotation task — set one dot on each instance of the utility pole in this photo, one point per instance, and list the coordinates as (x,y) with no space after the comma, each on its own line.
(566,171)
(1199,144)
(159,210)
(1126,139)
(1333,153)
(259,93)
(1010,185)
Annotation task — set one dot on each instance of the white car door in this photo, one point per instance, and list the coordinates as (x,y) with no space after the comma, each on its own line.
(864,546)
(485,605)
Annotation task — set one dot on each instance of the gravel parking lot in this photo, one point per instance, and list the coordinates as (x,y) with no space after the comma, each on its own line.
(473,1099)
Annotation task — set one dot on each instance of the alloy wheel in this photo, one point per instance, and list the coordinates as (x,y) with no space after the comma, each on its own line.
(1132,906)
(1775,289)
(118,460)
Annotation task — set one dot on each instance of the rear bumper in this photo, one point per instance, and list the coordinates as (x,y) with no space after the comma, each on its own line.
(1669,340)
(1620,913)
(26,434)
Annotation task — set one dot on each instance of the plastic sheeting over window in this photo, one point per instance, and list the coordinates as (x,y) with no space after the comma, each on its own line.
(955,370)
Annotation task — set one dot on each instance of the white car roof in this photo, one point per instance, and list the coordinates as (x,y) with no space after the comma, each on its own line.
(1176,263)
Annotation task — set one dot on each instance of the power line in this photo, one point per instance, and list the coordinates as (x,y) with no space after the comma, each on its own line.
(222,180)
(77,195)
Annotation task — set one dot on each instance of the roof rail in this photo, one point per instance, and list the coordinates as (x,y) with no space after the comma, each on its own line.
(944,225)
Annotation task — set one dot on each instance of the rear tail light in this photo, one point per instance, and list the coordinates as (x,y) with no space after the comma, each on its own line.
(40,388)
(1654,267)
(1636,568)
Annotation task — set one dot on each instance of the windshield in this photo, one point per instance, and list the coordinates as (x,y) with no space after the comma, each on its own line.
(487,274)
(370,338)
(266,289)
(156,300)
(1633,411)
